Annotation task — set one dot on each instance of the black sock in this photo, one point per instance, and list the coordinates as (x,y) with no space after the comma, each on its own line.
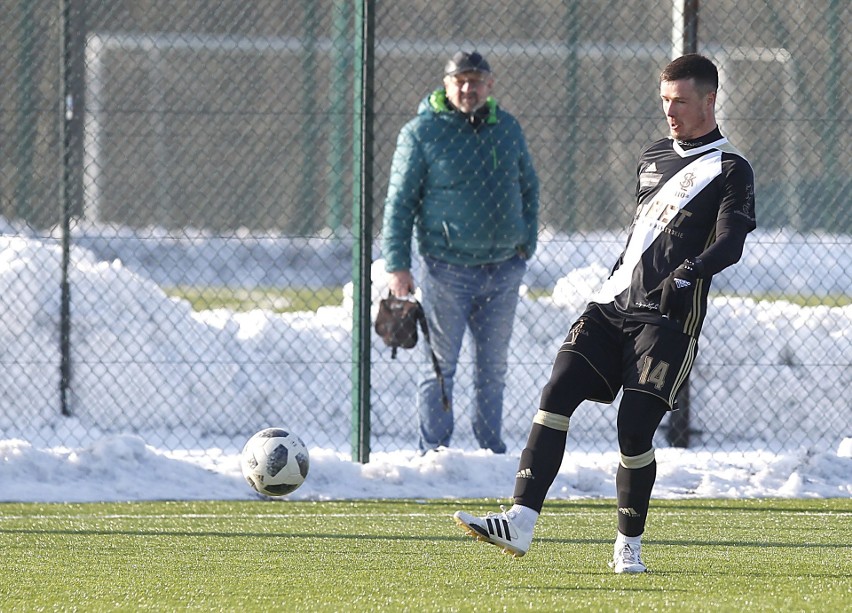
(634,487)
(540,462)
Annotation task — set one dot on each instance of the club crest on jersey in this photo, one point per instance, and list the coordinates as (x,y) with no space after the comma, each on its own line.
(681,283)
(686,183)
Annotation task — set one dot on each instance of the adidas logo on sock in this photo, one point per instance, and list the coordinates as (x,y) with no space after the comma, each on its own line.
(525,473)
(628,511)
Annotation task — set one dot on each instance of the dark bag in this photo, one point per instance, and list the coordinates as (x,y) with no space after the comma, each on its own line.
(397,323)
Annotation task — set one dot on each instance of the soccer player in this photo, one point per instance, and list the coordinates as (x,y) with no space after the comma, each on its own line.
(639,332)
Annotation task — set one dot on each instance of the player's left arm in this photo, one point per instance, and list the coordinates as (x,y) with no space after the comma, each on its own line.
(733,223)
(735,219)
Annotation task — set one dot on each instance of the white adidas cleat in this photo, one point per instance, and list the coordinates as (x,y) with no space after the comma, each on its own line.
(627,558)
(497,529)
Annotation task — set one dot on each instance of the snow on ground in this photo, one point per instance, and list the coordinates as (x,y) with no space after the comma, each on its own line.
(126,439)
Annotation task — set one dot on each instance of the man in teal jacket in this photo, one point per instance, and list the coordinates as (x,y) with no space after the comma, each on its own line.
(462,184)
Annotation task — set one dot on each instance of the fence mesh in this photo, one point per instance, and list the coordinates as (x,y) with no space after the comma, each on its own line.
(185,171)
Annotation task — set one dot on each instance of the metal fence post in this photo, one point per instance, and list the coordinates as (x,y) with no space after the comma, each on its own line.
(71,130)
(684,40)
(363,225)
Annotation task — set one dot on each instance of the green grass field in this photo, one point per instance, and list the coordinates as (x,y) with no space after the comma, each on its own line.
(295,299)
(278,300)
(391,555)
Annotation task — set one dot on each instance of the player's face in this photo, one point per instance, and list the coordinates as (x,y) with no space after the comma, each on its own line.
(468,90)
(689,112)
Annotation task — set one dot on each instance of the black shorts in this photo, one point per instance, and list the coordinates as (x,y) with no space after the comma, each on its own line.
(632,354)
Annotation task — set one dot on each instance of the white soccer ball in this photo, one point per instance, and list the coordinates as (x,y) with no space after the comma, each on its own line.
(275,462)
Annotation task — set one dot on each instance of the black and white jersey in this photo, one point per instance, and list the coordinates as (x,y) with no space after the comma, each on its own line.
(687,194)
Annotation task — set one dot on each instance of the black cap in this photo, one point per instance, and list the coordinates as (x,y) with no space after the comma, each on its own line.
(466,62)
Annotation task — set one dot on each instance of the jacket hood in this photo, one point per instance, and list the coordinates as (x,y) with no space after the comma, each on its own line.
(437,103)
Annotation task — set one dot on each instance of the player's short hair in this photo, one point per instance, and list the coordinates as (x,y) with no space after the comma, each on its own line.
(693,66)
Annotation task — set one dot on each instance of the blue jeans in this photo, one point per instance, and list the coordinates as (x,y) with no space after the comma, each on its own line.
(482,299)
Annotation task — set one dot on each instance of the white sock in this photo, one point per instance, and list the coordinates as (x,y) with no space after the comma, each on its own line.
(630,540)
(524,517)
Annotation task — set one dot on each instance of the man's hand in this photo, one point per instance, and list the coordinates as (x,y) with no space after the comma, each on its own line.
(401,283)
(679,289)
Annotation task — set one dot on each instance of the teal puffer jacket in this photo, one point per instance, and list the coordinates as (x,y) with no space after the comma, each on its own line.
(468,192)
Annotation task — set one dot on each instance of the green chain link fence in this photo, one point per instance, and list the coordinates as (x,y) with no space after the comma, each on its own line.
(183,185)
